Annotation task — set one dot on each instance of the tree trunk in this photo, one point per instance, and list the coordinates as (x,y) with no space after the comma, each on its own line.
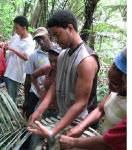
(36,14)
(26,7)
(91,40)
(90,6)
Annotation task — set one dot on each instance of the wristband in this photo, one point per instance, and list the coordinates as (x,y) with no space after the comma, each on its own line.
(50,134)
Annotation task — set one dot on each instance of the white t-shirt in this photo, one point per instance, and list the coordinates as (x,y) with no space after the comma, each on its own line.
(15,69)
(37,60)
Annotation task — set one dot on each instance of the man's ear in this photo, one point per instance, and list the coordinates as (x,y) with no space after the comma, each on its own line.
(70,27)
(124,78)
(49,36)
(24,28)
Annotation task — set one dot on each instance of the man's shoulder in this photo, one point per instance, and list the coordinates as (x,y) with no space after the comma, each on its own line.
(88,49)
(62,53)
(29,40)
(37,51)
(14,37)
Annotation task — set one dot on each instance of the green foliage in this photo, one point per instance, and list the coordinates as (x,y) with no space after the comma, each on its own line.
(109,28)
(102,90)
(31,30)
(109,25)
(6,11)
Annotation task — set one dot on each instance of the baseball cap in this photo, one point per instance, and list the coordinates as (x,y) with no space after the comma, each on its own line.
(41,31)
(121,61)
(55,48)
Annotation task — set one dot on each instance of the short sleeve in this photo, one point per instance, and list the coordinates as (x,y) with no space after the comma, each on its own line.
(46,69)
(30,64)
(29,48)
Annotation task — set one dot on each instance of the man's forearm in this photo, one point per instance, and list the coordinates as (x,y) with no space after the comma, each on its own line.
(92,143)
(36,84)
(95,114)
(47,100)
(91,118)
(69,117)
(21,55)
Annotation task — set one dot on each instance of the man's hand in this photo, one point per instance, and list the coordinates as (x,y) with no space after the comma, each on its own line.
(75,131)
(40,130)
(7,47)
(18,53)
(2,45)
(35,116)
(66,142)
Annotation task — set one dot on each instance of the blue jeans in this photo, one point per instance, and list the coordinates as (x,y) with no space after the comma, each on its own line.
(12,88)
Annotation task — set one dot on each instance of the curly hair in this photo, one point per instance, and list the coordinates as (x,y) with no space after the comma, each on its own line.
(22,21)
(61,19)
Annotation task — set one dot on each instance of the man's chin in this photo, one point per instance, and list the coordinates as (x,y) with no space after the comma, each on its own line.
(62,46)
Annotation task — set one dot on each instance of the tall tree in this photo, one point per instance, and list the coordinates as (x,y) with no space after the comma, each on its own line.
(36,14)
(90,6)
(26,7)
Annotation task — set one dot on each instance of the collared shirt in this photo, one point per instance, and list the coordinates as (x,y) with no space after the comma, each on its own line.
(37,60)
(15,69)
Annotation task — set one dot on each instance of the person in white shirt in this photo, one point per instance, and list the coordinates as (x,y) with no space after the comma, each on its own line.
(19,49)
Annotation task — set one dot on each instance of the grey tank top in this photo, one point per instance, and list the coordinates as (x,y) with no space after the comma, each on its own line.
(67,79)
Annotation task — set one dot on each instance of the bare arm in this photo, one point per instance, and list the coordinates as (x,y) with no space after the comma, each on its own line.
(37,115)
(86,73)
(18,53)
(37,73)
(90,143)
(90,119)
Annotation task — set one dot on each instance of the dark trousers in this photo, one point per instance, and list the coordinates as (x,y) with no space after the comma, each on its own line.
(32,102)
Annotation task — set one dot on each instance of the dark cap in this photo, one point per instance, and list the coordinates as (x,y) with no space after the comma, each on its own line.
(55,48)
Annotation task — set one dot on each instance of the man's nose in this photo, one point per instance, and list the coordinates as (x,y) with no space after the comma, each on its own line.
(53,63)
(41,41)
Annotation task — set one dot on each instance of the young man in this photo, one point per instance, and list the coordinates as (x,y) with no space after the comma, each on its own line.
(37,60)
(76,76)
(114,109)
(19,48)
